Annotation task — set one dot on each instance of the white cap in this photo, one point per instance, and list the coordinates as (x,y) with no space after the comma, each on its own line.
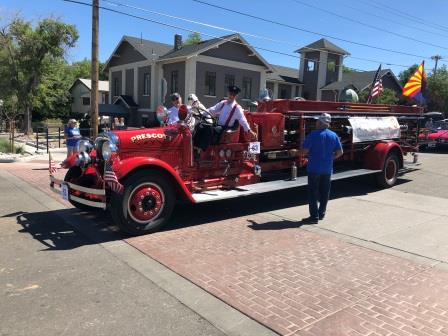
(192,97)
(325,118)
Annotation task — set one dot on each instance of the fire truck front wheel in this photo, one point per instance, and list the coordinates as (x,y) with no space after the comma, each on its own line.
(146,203)
(388,176)
(74,175)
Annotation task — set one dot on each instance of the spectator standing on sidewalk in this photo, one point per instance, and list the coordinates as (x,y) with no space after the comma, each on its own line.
(72,137)
(322,146)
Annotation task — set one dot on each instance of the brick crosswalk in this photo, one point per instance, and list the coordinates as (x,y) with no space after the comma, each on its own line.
(298,282)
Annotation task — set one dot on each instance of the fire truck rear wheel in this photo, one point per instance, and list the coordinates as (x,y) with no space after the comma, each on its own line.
(388,177)
(146,203)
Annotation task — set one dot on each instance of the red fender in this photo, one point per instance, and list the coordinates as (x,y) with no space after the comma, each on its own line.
(375,156)
(126,166)
(70,161)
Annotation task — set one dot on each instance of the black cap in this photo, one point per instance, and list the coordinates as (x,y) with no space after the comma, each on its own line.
(175,96)
(234,89)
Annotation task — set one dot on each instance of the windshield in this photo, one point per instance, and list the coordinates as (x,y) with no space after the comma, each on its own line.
(441,125)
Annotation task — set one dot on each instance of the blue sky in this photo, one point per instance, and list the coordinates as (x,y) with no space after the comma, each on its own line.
(291,12)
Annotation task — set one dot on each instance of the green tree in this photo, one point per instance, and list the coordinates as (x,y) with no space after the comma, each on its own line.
(193,38)
(406,74)
(388,96)
(29,51)
(437,91)
(347,70)
(82,69)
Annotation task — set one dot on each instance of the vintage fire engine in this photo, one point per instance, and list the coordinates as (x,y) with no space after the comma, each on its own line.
(159,166)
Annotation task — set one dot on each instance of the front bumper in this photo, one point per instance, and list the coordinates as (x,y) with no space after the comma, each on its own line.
(92,197)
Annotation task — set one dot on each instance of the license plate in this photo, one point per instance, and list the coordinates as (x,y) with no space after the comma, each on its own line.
(254,147)
(64,191)
(431,145)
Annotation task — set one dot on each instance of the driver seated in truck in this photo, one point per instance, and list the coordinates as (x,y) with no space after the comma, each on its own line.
(193,102)
(228,111)
(173,112)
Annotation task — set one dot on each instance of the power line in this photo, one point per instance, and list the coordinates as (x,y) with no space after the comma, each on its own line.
(399,23)
(309,31)
(195,31)
(238,32)
(367,24)
(405,15)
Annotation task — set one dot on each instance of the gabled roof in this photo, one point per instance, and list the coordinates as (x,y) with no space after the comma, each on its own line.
(359,80)
(203,46)
(284,74)
(323,44)
(151,50)
(157,51)
(127,100)
(194,49)
(102,85)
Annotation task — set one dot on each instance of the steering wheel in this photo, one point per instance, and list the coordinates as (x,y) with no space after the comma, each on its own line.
(204,116)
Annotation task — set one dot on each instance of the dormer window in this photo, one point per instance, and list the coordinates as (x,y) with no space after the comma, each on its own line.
(311,65)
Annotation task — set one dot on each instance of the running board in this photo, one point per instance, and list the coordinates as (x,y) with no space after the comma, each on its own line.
(263,187)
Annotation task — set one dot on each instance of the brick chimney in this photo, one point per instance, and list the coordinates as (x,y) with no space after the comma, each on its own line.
(177,42)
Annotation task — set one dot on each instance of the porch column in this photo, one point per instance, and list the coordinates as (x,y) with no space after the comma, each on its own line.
(123,82)
(190,77)
(275,93)
(136,85)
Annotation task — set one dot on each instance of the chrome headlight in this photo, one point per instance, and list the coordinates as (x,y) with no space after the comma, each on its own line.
(85,146)
(83,159)
(106,150)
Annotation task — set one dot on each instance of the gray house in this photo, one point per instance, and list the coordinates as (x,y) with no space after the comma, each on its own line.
(320,64)
(321,71)
(139,70)
(360,81)
(80,93)
(284,82)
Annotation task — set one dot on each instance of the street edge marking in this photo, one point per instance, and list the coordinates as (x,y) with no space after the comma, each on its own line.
(219,314)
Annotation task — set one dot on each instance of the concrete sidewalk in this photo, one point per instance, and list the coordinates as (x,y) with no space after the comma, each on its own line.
(56,280)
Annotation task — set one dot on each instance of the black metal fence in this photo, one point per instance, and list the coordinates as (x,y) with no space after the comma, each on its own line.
(52,135)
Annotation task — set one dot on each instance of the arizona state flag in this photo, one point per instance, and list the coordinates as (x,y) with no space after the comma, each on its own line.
(416,85)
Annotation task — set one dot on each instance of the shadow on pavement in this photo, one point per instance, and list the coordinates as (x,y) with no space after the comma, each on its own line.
(185,215)
(277,225)
(52,231)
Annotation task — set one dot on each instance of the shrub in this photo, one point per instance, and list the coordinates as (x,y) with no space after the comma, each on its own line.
(5,147)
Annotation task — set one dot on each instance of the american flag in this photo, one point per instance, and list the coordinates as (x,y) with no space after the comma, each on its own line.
(111,179)
(377,86)
(52,168)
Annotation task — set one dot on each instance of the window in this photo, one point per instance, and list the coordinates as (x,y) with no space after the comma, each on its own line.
(210,83)
(116,87)
(247,87)
(146,83)
(283,93)
(229,80)
(331,66)
(86,100)
(297,91)
(311,66)
(174,81)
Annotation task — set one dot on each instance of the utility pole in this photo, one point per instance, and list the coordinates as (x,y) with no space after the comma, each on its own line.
(436,58)
(95,69)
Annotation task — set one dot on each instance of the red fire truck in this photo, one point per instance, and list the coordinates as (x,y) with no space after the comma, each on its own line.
(156,167)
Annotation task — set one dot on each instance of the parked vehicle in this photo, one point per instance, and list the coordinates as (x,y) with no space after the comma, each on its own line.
(158,166)
(436,137)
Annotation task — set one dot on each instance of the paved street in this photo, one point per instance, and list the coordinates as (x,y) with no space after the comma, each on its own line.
(377,265)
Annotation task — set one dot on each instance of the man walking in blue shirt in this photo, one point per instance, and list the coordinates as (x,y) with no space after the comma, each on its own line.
(322,146)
